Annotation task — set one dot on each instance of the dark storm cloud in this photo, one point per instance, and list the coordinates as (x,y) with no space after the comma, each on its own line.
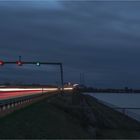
(100,39)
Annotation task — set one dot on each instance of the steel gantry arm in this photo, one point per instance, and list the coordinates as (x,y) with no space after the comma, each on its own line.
(20,63)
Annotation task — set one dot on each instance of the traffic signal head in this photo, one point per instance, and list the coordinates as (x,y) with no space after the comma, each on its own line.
(38,63)
(19,63)
(1,63)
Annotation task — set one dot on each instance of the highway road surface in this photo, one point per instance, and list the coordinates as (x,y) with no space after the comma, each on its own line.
(9,93)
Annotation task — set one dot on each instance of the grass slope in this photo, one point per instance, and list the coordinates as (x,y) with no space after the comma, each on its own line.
(41,120)
(68,116)
(112,124)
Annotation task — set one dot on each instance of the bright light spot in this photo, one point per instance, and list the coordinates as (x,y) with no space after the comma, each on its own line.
(75,85)
(38,63)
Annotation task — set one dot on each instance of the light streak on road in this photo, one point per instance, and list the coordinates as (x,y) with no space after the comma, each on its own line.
(15,94)
(68,88)
(49,89)
(27,89)
(8,93)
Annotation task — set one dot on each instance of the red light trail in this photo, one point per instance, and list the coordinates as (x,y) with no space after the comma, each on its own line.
(15,94)
(8,93)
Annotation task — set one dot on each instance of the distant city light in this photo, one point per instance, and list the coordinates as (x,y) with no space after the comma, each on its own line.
(75,85)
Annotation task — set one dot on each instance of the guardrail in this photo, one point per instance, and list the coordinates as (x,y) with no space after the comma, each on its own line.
(13,102)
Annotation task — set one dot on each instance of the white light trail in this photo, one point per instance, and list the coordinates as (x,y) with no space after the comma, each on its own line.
(28,89)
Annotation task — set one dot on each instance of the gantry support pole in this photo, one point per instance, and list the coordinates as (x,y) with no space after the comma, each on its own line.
(43,63)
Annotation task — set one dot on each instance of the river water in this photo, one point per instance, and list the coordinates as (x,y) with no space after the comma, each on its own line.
(122,100)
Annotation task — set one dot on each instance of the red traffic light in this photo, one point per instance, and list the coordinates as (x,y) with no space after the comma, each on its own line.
(1,63)
(19,63)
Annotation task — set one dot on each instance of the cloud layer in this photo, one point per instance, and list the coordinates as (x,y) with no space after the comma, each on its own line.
(100,39)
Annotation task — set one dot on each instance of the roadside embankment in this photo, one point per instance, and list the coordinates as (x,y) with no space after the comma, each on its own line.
(68,116)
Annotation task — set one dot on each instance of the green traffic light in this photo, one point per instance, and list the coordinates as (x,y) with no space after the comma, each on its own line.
(38,63)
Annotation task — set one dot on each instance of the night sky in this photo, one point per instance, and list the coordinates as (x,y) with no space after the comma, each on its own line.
(98,38)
